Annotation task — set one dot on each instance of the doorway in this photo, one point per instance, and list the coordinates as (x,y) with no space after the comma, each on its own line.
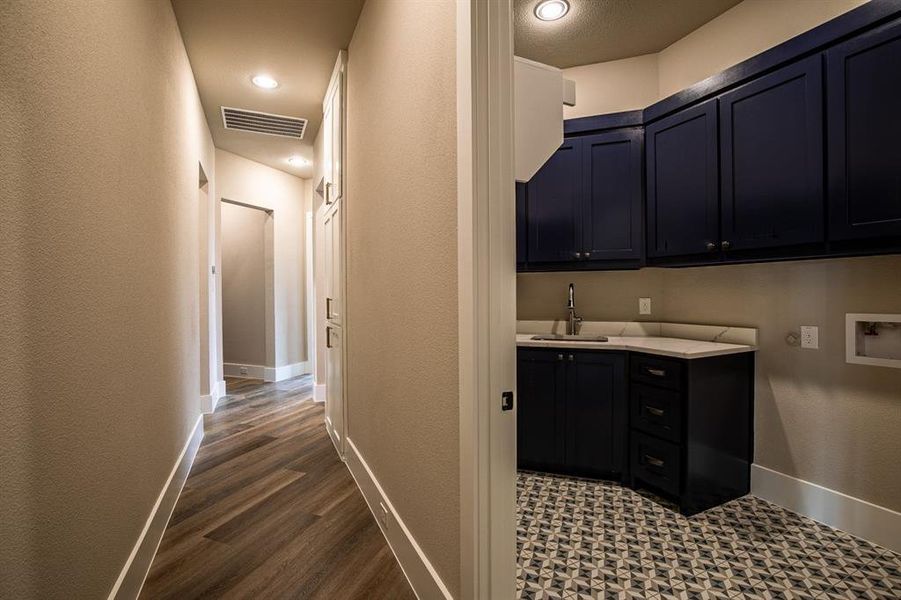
(248,323)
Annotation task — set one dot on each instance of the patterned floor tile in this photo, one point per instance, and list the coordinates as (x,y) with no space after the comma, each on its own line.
(594,540)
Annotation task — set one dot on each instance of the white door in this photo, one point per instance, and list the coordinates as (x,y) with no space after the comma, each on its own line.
(334,378)
(333,265)
(337,137)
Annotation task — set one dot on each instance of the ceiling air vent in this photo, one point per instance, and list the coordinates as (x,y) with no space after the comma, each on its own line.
(260,122)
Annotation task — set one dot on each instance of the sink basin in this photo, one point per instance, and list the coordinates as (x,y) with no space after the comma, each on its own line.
(559,337)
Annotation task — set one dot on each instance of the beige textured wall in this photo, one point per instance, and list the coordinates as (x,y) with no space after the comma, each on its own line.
(817,417)
(244,284)
(741,32)
(249,182)
(100,140)
(614,86)
(402,380)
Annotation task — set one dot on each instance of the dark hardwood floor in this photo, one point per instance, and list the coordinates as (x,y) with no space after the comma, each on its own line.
(269,511)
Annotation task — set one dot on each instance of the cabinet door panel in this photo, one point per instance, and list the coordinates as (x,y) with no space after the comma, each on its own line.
(595,407)
(682,180)
(539,415)
(864,129)
(332,242)
(772,159)
(611,212)
(521,223)
(554,207)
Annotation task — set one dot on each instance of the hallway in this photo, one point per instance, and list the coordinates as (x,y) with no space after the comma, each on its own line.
(270,511)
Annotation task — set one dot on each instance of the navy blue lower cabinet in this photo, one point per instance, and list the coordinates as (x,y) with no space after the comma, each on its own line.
(612,197)
(692,428)
(541,390)
(595,413)
(682,183)
(863,86)
(771,159)
(572,411)
(554,207)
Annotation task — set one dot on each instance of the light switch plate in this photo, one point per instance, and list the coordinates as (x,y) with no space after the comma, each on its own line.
(644,306)
(810,337)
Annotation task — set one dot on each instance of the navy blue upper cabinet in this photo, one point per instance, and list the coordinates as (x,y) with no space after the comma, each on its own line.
(682,179)
(864,135)
(771,159)
(521,221)
(554,207)
(611,196)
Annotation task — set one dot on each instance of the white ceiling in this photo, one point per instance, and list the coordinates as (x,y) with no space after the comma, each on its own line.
(294,41)
(601,30)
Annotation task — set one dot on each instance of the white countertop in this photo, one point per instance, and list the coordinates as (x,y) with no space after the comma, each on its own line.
(664,346)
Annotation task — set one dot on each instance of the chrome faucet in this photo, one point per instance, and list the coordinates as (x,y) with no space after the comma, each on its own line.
(575,323)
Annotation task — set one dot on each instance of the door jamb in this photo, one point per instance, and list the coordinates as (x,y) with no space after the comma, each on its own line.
(487,296)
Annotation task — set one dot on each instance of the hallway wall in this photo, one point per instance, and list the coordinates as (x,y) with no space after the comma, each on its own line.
(255,184)
(401,306)
(244,284)
(100,139)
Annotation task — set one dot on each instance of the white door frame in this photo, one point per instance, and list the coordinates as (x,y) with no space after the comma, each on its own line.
(487,296)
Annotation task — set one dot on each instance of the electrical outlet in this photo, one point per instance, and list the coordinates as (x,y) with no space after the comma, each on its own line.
(243,370)
(644,306)
(383,514)
(810,337)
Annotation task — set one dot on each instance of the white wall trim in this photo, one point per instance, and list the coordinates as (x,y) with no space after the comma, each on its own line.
(131,578)
(423,578)
(269,374)
(858,517)
(319,392)
(221,389)
(253,371)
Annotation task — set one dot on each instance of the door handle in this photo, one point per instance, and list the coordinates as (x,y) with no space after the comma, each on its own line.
(655,372)
(328,337)
(328,196)
(653,460)
(658,412)
(328,308)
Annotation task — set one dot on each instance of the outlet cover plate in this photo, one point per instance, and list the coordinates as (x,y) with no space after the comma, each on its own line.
(644,306)
(810,337)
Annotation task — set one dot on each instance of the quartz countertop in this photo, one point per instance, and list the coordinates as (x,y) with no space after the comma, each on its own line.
(640,337)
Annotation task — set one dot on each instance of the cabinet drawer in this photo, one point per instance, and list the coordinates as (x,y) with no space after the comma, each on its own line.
(657,371)
(657,411)
(655,462)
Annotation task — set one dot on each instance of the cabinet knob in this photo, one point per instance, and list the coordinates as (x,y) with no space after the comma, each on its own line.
(711,246)
(726,245)
(587,254)
(559,357)
(570,358)
(577,254)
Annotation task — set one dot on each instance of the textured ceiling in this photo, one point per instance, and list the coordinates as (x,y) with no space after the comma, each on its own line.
(294,41)
(601,30)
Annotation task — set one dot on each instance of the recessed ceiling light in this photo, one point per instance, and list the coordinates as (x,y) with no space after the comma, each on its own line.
(265,82)
(551,10)
(298,161)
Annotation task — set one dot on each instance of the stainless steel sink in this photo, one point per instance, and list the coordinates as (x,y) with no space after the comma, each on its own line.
(559,337)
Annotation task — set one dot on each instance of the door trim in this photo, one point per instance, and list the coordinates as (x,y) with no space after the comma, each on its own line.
(486,245)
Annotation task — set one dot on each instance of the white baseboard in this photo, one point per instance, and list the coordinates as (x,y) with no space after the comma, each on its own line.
(206,403)
(413,562)
(249,371)
(266,373)
(221,390)
(131,579)
(319,392)
(869,521)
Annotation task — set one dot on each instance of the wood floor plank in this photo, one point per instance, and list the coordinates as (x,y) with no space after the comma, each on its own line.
(269,511)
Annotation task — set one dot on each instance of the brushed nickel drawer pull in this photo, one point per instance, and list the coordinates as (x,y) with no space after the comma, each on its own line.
(328,308)
(657,412)
(654,462)
(656,372)
(328,337)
